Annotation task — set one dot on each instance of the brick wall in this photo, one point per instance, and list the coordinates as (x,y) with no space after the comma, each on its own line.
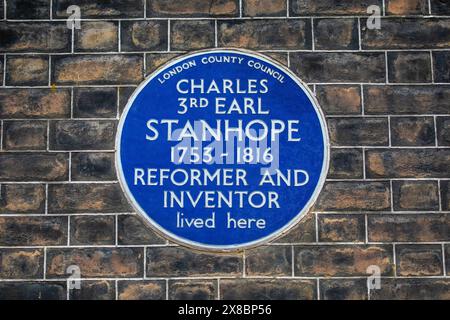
(386,94)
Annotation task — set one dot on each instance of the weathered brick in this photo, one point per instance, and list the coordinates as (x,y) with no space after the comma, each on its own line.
(94,290)
(24,9)
(95,102)
(336,34)
(1,68)
(142,290)
(192,8)
(415,195)
(407,99)
(269,261)
(343,289)
(361,131)
(265,34)
(102,9)
(346,164)
(406,7)
(29,290)
(34,103)
(92,230)
(82,134)
(407,33)
(443,131)
(86,198)
(36,37)
(304,231)
(334,66)
(33,231)
(341,260)
(192,290)
(407,228)
(22,198)
(21,263)
(96,262)
(281,57)
(354,196)
(331,7)
(419,260)
(447,258)
(440,7)
(445,195)
(25,135)
(25,166)
(179,262)
(144,35)
(191,34)
(339,99)
(132,230)
(93,166)
(408,163)
(262,8)
(341,228)
(125,94)
(412,289)
(26,70)
(96,36)
(441,61)
(412,131)
(156,60)
(404,67)
(97,69)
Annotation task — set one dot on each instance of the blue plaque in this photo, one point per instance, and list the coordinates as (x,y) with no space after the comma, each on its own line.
(222,149)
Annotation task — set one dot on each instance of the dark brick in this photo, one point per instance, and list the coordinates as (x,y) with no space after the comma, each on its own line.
(26,70)
(144,35)
(445,195)
(191,34)
(412,131)
(440,7)
(346,164)
(408,163)
(1,68)
(179,262)
(25,166)
(92,230)
(411,67)
(447,258)
(341,260)
(265,34)
(124,95)
(343,289)
(443,131)
(40,290)
(262,8)
(34,36)
(354,196)
(269,261)
(407,99)
(331,7)
(142,290)
(25,9)
(97,69)
(304,231)
(96,262)
(96,36)
(33,231)
(415,195)
(94,290)
(34,103)
(25,135)
(21,263)
(86,198)
(22,198)
(441,61)
(339,99)
(82,135)
(102,9)
(281,57)
(408,228)
(265,289)
(192,290)
(407,33)
(334,66)
(341,228)
(93,166)
(406,7)
(419,260)
(412,289)
(132,230)
(95,102)
(359,131)
(192,8)
(155,60)
(336,34)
